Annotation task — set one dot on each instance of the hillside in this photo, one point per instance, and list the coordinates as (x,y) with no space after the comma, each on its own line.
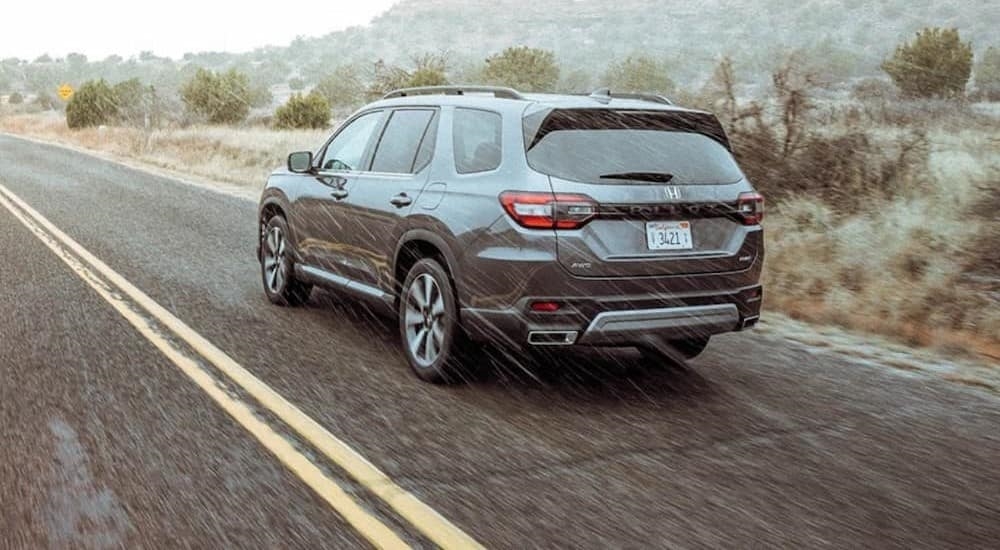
(588,34)
(844,39)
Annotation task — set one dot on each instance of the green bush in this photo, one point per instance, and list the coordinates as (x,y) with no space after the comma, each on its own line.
(988,75)
(296,83)
(523,68)
(15,98)
(94,104)
(343,87)
(310,111)
(936,64)
(218,98)
(638,74)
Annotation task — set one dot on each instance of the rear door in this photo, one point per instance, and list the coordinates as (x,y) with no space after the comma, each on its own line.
(373,214)
(666,186)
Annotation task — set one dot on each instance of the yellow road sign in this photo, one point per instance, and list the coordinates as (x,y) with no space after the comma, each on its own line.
(65,92)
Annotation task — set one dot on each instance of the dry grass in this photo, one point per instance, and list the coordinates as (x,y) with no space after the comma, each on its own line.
(900,267)
(239,156)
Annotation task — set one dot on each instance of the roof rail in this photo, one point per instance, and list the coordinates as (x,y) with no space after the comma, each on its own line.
(497,91)
(605,95)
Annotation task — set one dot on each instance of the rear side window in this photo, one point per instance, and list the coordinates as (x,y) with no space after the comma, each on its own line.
(401,140)
(477,141)
(629,147)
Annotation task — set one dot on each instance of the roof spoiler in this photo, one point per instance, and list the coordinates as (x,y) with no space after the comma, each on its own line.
(497,91)
(604,95)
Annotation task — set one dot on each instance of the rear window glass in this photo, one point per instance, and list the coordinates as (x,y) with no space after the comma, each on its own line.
(401,140)
(477,141)
(586,144)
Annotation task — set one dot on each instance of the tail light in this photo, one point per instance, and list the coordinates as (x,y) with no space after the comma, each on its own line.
(548,210)
(751,207)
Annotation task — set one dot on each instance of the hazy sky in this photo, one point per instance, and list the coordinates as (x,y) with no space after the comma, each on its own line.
(98,28)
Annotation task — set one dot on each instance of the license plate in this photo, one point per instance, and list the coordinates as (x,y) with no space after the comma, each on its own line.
(669,236)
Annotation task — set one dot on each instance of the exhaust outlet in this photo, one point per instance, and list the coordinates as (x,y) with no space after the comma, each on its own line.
(749,322)
(552,337)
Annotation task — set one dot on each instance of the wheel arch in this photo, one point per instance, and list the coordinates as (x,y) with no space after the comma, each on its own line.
(415,245)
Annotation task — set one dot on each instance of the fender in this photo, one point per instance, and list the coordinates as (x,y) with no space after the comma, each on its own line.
(274,197)
(433,238)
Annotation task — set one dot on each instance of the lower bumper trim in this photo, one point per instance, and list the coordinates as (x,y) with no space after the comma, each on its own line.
(618,326)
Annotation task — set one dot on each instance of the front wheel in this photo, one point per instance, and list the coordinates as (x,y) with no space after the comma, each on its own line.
(428,323)
(277,268)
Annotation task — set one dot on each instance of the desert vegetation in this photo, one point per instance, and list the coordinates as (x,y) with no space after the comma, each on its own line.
(883,188)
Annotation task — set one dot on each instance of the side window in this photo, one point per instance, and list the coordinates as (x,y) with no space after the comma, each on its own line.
(397,149)
(426,151)
(477,141)
(347,150)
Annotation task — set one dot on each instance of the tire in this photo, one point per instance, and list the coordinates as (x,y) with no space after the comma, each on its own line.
(428,325)
(686,349)
(277,267)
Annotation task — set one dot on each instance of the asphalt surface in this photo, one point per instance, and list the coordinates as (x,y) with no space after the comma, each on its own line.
(106,444)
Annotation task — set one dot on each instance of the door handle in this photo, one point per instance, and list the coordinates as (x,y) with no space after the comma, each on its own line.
(401,200)
(339,194)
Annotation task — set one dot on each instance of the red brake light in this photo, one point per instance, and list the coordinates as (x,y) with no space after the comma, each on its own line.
(545,307)
(751,207)
(548,210)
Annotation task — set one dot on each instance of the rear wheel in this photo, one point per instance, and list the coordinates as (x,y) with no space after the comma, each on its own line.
(277,267)
(428,323)
(683,350)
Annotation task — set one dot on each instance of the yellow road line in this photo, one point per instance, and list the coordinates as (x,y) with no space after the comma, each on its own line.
(424,518)
(368,525)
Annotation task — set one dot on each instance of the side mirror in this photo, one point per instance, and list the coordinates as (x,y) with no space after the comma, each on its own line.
(300,162)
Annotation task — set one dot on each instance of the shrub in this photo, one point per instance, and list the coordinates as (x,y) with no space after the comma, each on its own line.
(222,98)
(310,111)
(429,71)
(94,104)
(638,74)
(343,87)
(15,98)
(988,75)
(134,102)
(936,64)
(873,89)
(296,83)
(523,68)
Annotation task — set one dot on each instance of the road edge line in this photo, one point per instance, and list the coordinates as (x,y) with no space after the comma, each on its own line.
(421,516)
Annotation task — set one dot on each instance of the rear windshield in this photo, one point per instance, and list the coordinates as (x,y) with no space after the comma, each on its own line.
(585,144)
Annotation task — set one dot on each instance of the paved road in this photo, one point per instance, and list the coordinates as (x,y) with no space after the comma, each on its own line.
(107,443)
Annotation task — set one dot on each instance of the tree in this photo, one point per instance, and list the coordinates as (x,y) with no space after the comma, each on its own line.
(526,69)
(343,87)
(133,101)
(430,71)
(310,111)
(988,74)
(936,64)
(94,104)
(15,98)
(222,98)
(386,79)
(296,83)
(638,74)
(793,83)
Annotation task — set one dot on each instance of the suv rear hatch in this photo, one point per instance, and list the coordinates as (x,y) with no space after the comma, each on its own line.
(662,189)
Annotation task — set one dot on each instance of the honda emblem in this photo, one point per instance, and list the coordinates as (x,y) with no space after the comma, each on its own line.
(672,193)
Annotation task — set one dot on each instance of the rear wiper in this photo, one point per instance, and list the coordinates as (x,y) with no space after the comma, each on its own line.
(659,177)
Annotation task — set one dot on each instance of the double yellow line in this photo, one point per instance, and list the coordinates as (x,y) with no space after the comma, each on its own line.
(150,319)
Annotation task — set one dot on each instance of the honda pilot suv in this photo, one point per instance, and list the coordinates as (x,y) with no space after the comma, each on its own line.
(525,220)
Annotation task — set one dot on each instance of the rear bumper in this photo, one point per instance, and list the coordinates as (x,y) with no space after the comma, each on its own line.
(624,322)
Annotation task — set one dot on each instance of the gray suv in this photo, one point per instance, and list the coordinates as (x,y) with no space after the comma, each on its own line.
(525,220)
